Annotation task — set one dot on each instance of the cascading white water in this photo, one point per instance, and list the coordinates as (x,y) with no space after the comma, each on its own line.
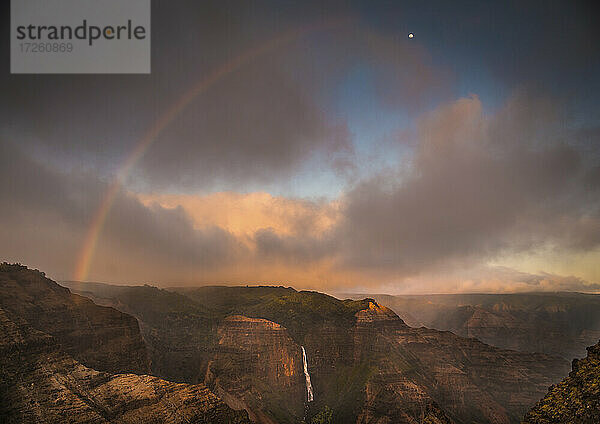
(309,389)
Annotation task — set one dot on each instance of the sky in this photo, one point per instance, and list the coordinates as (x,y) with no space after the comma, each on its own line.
(316,145)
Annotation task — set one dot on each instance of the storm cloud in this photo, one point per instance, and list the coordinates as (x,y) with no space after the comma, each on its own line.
(263,119)
(478,185)
(336,153)
(49,213)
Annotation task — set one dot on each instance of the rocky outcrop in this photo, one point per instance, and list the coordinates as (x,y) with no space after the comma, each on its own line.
(393,399)
(99,337)
(560,324)
(429,370)
(256,366)
(177,331)
(576,399)
(393,392)
(41,383)
(365,363)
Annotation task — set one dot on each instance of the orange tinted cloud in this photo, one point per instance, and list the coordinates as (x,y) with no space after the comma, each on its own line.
(244,214)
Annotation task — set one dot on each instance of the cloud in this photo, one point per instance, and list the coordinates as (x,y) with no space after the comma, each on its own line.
(252,124)
(472,186)
(50,212)
(492,279)
(157,240)
(261,123)
(478,185)
(243,214)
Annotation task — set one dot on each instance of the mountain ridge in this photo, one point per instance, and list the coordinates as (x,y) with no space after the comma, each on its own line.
(365,363)
(560,323)
(40,380)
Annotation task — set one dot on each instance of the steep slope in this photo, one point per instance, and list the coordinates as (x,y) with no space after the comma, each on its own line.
(41,383)
(196,339)
(554,323)
(576,399)
(99,337)
(471,381)
(177,330)
(256,365)
(394,391)
(355,347)
(365,363)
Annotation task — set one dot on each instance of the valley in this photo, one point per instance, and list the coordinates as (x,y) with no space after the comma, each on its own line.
(365,363)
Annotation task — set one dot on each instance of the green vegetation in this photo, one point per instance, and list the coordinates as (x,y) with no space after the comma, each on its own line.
(180,325)
(150,304)
(576,399)
(323,417)
(345,392)
(300,312)
(153,305)
(223,300)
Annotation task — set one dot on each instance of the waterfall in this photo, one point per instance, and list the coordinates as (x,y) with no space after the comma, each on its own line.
(309,389)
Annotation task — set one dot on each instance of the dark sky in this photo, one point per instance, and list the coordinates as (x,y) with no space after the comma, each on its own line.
(344,155)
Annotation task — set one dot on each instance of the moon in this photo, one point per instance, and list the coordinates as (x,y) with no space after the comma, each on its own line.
(411,35)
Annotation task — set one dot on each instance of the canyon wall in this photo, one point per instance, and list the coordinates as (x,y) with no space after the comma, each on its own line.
(99,337)
(365,363)
(43,327)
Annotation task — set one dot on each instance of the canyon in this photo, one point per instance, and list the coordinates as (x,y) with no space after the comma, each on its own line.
(52,346)
(556,323)
(93,352)
(366,365)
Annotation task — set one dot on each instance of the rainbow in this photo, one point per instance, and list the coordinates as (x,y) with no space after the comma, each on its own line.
(99,218)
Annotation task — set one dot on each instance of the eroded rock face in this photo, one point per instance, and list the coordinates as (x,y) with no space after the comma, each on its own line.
(99,337)
(576,399)
(257,366)
(561,324)
(178,332)
(365,363)
(418,369)
(394,399)
(41,383)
